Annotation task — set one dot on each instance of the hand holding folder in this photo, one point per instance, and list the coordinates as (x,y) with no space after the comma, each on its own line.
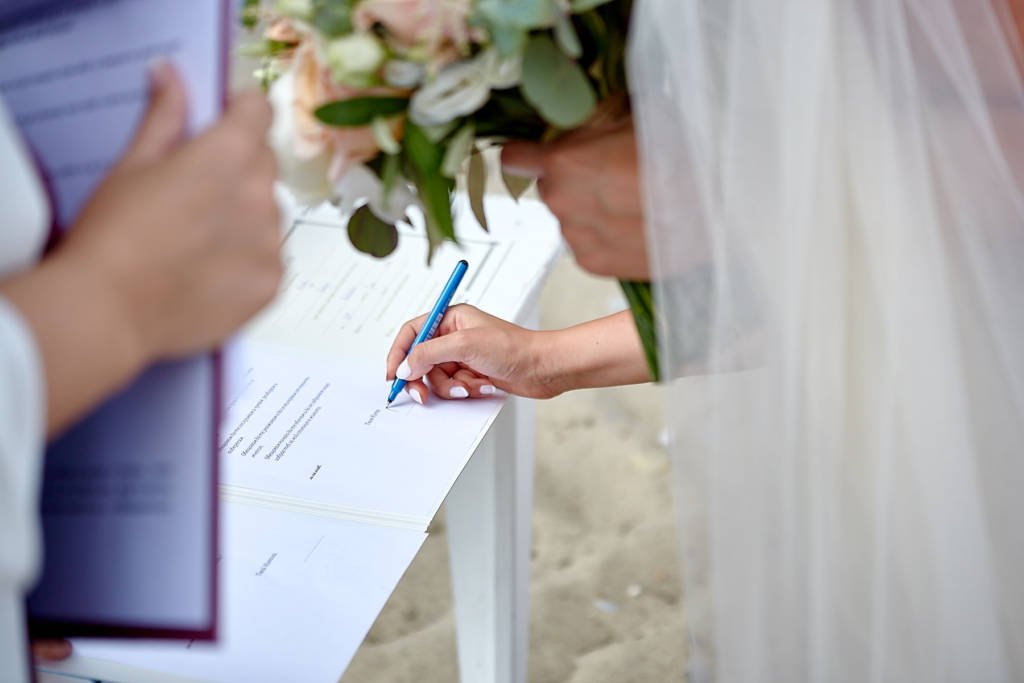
(186,245)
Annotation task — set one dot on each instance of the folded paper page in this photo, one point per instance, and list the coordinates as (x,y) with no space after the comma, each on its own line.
(312,431)
(300,593)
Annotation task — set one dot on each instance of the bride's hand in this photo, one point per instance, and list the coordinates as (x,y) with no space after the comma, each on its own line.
(473,354)
(589,180)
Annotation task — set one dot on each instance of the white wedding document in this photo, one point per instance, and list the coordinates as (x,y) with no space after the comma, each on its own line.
(327,494)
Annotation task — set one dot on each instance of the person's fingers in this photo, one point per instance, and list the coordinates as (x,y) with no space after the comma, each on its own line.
(403,340)
(477,384)
(164,123)
(251,112)
(451,347)
(445,386)
(51,650)
(449,368)
(525,159)
(418,391)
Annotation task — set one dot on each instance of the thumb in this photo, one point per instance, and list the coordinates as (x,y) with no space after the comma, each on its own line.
(525,159)
(164,122)
(448,348)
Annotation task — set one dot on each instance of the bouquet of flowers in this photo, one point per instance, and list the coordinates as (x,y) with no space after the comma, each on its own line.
(380,104)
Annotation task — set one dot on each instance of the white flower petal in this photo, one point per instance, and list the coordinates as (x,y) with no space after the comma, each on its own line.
(361,185)
(305,176)
(460,89)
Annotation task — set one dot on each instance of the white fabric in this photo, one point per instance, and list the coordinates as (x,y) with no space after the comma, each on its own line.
(23,223)
(836,223)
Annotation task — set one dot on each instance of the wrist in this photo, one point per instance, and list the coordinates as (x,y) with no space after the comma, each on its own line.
(96,288)
(556,361)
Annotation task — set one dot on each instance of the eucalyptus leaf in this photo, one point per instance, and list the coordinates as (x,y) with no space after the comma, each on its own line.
(508,40)
(383,136)
(459,147)
(359,111)
(476,184)
(556,85)
(332,17)
(578,6)
(434,190)
(389,175)
(565,34)
(521,14)
(516,185)
(370,234)
(439,132)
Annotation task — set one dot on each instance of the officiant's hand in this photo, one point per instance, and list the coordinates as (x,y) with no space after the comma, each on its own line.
(590,181)
(178,246)
(475,353)
(185,232)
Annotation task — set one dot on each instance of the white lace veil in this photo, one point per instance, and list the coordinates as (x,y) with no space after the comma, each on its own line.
(836,221)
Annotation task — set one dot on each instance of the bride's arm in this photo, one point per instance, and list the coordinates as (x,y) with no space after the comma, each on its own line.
(475,353)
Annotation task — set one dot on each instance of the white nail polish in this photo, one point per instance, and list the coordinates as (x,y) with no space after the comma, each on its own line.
(415,395)
(403,370)
(487,389)
(458,392)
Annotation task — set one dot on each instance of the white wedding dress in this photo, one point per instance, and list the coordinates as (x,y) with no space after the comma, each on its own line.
(836,221)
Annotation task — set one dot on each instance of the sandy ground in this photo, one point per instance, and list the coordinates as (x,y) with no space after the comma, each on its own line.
(605,589)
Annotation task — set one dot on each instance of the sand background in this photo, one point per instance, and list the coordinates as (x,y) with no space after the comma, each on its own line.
(605,587)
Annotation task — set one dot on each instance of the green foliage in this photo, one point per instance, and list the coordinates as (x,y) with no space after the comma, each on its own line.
(509,22)
(476,185)
(370,234)
(460,145)
(424,162)
(641,304)
(555,84)
(250,14)
(333,18)
(565,35)
(579,6)
(516,185)
(359,111)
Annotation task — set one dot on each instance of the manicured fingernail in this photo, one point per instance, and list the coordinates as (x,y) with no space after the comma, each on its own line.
(415,395)
(487,389)
(403,370)
(458,392)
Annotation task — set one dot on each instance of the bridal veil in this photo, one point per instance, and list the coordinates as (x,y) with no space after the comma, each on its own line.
(836,225)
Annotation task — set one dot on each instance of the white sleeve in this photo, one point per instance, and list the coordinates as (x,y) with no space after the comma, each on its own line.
(22,439)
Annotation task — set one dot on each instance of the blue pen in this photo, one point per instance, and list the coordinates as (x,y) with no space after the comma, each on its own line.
(433,320)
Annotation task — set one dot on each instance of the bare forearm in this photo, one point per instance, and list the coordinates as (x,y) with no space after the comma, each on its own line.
(87,346)
(599,353)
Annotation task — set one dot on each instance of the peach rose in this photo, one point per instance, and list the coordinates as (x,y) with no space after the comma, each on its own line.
(437,27)
(314,158)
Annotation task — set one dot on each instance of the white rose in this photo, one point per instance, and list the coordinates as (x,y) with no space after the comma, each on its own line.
(401,73)
(361,183)
(305,175)
(463,87)
(353,59)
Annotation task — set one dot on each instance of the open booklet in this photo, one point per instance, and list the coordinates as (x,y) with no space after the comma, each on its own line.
(327,494)
(129,495)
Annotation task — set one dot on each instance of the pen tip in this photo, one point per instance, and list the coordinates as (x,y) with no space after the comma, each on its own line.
(388,405)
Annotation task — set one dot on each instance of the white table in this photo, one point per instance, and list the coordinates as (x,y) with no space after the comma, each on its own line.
(489,537)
